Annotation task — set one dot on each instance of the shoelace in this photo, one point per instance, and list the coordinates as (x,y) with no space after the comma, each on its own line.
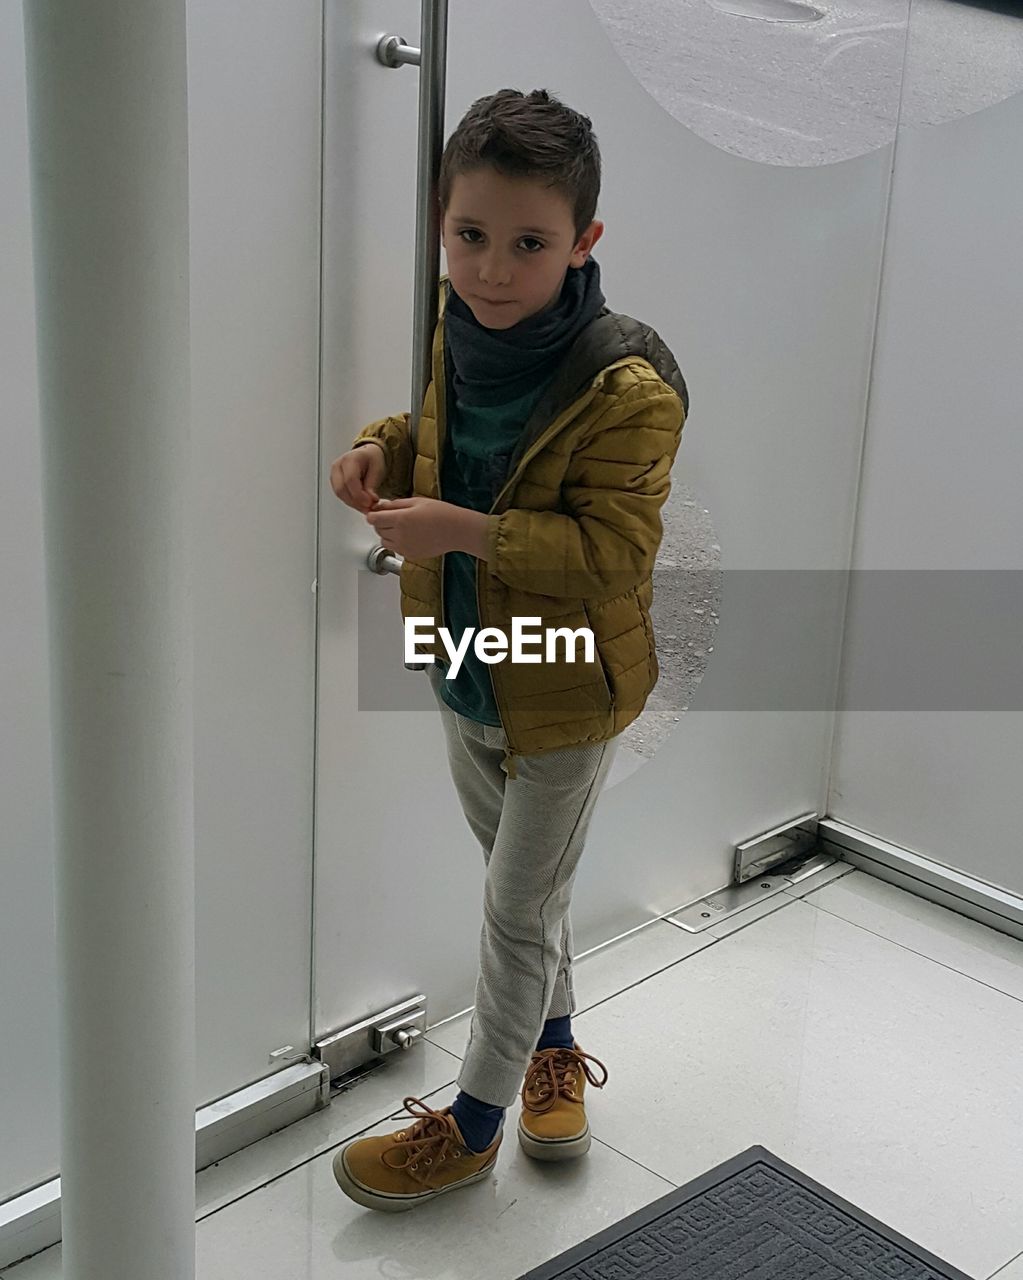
(428,1140)
(552,1073)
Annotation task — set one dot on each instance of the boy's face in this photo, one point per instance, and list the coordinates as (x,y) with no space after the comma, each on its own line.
(509,243)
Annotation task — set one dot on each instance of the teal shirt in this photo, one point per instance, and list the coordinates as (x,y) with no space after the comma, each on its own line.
(478,445)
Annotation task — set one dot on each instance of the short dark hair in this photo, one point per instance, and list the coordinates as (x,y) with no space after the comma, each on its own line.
(527,135)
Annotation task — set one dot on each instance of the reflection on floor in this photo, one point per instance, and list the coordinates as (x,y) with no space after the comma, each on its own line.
(866,1036)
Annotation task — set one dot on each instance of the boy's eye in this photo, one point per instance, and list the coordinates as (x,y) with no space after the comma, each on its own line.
(472,231)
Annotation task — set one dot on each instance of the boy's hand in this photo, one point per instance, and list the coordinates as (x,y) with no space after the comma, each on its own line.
(357,474)
(416,527)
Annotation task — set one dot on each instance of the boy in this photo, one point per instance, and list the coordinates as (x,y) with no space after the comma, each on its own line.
(550,426)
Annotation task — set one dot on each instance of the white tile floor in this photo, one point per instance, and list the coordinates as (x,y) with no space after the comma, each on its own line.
(868,1037)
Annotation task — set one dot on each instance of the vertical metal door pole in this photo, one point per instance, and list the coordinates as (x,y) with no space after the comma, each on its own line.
(107,98)
(432,88)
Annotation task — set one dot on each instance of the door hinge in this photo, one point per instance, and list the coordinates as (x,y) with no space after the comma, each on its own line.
(765,853)
(764,867)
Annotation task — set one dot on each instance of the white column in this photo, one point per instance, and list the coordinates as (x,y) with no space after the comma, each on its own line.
(109,165)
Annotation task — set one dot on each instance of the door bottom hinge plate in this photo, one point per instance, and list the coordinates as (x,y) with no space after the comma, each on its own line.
(766,865)
(766,853)
(354,1047)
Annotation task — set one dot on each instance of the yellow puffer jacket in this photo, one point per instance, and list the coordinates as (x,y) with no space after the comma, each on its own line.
(572,535)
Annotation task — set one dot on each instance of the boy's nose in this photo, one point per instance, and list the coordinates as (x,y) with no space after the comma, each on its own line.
(494,273)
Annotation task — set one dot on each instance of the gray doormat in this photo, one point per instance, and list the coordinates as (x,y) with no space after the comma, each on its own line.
(752,1218)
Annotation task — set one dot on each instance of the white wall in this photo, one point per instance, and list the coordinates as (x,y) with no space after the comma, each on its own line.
(940,490)
(28,961)
(254,189)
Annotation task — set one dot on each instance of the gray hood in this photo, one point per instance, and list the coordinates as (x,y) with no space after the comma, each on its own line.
(606,339)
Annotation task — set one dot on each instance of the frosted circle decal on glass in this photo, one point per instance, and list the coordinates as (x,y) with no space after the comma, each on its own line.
(770,10)
(799,84)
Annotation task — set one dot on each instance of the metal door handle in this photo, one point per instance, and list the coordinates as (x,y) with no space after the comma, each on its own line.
(392,51)
(380,560)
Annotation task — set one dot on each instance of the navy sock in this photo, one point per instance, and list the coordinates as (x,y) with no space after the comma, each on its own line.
(557,1034)
(478,1121)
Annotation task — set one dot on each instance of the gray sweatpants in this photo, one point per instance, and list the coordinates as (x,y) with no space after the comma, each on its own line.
(532,829)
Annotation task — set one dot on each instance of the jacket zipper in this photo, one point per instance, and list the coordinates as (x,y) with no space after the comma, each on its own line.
(509,754)
(440,395)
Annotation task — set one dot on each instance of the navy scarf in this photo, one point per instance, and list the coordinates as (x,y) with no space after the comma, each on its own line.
(492,366)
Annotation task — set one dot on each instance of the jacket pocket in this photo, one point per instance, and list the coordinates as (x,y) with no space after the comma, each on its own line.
(605,673)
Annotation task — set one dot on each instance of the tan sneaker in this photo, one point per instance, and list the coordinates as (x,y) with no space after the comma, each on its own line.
(397,1171)
(553,1123)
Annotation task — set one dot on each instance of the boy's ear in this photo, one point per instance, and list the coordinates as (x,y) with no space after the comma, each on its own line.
(587,240)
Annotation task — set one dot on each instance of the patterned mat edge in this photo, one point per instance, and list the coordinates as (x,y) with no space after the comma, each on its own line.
(703,1182)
